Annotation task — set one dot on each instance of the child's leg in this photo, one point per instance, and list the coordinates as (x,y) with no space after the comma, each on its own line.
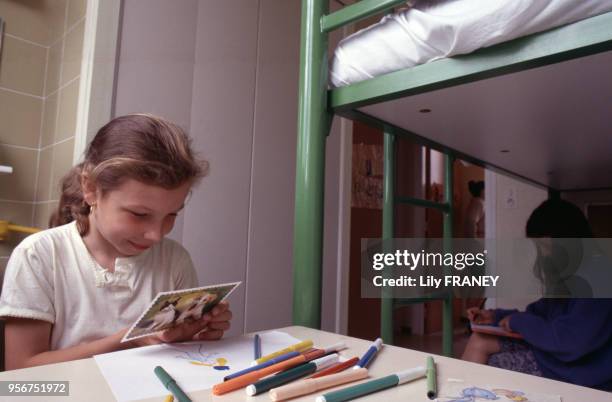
(515,355)
(480,347)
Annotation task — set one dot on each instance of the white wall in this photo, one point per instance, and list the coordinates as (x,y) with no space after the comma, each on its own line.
(582,199)
(507,220)
(155,62)
(228,72)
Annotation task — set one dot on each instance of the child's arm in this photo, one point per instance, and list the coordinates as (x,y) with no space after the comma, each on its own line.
(582,329)
(27,340)
(27,344)
(500,314)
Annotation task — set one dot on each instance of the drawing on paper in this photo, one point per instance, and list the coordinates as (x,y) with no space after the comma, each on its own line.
(474,394)
(201,358)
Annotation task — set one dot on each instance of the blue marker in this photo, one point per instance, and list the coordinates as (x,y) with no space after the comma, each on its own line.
(278,359)
(369,355)
(257,346)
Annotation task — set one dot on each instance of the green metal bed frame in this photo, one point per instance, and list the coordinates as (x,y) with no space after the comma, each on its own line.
(318,105)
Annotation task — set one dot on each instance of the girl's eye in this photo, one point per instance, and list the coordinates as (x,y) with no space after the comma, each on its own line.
(137,214)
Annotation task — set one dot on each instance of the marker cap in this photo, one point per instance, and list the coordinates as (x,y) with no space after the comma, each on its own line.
(412,374)
(326,361)
(335,347)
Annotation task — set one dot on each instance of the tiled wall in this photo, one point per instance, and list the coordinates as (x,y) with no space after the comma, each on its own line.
(39,86)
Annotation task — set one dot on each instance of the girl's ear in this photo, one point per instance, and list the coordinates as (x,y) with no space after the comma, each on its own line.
(89,189)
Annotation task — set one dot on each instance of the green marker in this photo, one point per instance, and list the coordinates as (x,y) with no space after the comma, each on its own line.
(292,374)
(170,384)
(376,385)
(431,378)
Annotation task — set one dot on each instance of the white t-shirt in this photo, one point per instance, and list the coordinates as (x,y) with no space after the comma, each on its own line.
(51,276)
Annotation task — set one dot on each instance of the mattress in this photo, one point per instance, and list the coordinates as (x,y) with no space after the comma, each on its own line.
(429,30)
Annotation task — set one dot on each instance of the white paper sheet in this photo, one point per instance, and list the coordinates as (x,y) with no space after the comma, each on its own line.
(194,366)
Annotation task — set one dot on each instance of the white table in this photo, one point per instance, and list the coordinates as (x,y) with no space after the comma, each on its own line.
(88,385)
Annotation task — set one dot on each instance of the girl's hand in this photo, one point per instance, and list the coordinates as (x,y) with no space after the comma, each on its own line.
(478,316)
(181,333)
(218,322)
(210,327)
(505,323)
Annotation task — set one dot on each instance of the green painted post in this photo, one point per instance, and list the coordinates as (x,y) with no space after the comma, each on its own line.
(310,167)
(386,301)
(356,12)
(447,312)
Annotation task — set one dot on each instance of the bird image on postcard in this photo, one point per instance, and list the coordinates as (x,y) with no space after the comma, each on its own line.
(170,309)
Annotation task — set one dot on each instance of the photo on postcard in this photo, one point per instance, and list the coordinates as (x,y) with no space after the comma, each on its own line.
(170,309)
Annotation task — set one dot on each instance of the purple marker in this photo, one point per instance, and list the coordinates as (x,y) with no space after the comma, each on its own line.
(369,355)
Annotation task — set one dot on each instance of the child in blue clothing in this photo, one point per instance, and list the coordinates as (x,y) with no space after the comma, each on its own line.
(563,339)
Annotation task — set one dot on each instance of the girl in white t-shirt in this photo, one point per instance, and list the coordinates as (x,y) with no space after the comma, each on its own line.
(72,291)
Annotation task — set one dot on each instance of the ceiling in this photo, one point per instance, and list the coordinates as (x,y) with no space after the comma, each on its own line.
(555,122)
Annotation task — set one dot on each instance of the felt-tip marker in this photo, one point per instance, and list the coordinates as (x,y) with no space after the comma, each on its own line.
(369,355)
(346,394)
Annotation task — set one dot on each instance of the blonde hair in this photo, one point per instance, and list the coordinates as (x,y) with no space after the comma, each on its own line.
(142,147)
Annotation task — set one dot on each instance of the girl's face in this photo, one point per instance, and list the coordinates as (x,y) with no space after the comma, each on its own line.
(544,245)
(135,216)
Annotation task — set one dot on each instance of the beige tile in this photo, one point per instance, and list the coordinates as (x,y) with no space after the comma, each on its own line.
(56,16)
(39,21)
(73,53)
(19,185)
(62,162)
(23,66)
(20,119)
(49,119)
(45,165)
(66,120)
(76,11)
(42,213)
(17,213)
(53,67)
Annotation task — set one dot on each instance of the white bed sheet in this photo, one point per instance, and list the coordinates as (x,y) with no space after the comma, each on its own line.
(435,29)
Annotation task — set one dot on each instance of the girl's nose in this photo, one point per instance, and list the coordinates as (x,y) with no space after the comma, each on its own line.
(154,233)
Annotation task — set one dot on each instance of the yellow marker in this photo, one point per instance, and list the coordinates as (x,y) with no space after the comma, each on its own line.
(169,398)
(220,362)
(298,347)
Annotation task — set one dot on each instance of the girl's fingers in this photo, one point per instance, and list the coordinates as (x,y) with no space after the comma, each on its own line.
(472,312)
(210,335)
(220,308)
(224,316)
(223,325)
(184,331)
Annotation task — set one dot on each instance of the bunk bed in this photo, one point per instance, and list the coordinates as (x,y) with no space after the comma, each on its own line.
(576,57)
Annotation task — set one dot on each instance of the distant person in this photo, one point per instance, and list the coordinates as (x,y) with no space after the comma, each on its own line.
(475,217)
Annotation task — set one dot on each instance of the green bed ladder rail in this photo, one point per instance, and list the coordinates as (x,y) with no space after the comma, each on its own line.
(388,303)
(314,117)
(314,120)
(355,12)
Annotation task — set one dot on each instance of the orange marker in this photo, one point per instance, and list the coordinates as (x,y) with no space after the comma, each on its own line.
(336,368)
(249,378)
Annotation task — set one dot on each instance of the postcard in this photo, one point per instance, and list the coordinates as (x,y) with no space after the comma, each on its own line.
(170,309)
